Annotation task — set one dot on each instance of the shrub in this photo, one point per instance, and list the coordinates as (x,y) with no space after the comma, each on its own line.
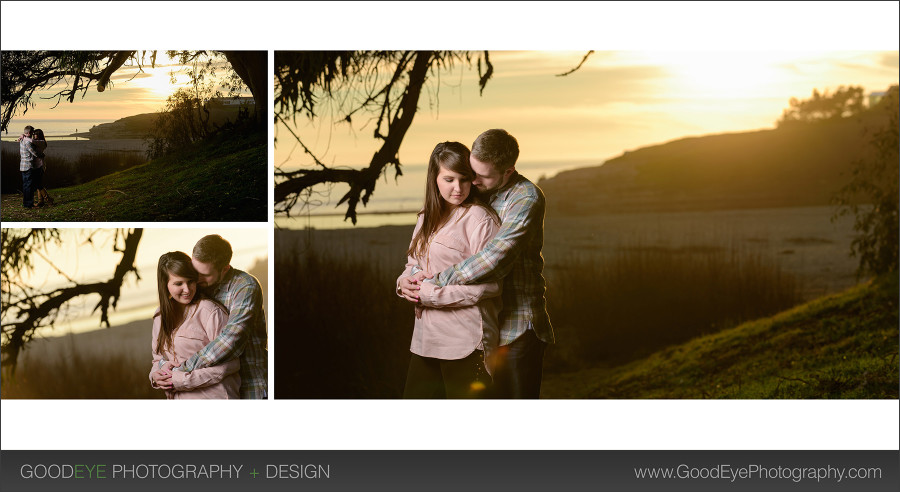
(871,195)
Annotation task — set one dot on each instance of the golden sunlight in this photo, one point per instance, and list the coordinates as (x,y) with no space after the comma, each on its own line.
(157,80)
(93,261)
(725,74)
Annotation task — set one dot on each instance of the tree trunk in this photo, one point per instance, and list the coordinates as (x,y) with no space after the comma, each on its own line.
(252,68)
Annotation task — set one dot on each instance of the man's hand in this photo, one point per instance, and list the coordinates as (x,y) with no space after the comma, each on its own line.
(409,286)
(163,377)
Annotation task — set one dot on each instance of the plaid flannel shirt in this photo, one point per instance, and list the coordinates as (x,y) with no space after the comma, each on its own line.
(513,256)
(27,154)
(244,336)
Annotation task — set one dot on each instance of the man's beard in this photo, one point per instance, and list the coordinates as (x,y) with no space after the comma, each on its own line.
(487,191)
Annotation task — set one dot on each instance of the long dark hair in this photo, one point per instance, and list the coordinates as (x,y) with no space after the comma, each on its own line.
(38,134)
(173,263)
(452,156)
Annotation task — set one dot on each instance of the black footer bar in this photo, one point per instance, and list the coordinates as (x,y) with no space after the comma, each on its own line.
(494,471)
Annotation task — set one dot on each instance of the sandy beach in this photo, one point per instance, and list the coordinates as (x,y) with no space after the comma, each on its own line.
(71,149)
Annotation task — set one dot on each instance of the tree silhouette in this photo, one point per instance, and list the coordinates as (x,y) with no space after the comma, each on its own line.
(71,73)
(382,86)
(26,307)
(842,103)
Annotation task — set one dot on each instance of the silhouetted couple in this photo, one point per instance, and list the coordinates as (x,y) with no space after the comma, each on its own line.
(475,274)
(32,145)
(209,334)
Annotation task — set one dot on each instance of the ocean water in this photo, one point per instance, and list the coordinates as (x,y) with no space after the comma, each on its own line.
(53,129)
(395,202)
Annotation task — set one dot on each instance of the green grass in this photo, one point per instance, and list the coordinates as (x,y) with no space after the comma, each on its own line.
(840,346)
(222,180)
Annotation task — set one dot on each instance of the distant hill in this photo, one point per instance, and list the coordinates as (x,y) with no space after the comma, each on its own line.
(139,125)
(800,165)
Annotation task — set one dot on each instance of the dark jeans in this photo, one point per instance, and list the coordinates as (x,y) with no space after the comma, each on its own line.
(439,378)
(32,181)
(520,368)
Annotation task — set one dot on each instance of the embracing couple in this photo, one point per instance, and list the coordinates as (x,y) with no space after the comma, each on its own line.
(209,334)
(32,145)
(474,273)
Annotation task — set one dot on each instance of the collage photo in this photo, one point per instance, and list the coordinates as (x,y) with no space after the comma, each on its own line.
(677,260)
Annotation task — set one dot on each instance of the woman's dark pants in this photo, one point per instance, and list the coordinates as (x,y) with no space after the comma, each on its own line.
(439,378)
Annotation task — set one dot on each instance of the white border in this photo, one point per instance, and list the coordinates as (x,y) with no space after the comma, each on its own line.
(389,424)
(270,25)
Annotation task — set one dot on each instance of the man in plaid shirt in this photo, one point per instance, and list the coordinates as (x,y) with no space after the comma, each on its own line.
(31,176)
(245,334)
(513,256)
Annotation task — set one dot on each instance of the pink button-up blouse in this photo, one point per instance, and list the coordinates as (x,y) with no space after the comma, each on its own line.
(204,321)
(456,319)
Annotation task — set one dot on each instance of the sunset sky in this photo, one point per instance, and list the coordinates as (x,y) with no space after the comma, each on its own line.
(618,100)
(134,90)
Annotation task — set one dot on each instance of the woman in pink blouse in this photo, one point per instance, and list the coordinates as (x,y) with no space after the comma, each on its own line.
(40,144)
(185,322)
(456,328)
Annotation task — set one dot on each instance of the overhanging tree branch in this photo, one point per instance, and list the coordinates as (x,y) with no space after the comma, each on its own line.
(69,73)
(588,54)
(386,86)
(362,181)
(28,309)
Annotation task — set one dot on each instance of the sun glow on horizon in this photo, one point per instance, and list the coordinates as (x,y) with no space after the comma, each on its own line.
(736,75)
(721,75)
(616,101)
(136,88)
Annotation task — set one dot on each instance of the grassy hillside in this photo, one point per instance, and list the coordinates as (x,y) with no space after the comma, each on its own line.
(840,346)
(800,165)
(222,180)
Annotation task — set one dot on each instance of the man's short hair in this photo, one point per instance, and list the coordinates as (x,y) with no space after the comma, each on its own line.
(496,147)
(29,129)
(213,249)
